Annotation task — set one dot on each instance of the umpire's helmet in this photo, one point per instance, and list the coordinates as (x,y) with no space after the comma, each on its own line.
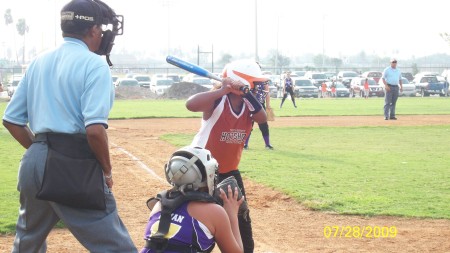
(191,168)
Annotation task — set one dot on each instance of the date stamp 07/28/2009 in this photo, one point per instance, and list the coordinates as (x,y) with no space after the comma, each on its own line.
(360,231)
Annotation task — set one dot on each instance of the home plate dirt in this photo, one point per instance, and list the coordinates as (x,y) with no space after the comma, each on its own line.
(280,224)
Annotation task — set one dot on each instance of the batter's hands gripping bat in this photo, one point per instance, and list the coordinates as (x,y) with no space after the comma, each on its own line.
(196,69)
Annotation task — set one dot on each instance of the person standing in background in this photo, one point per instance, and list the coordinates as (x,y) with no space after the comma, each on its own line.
(333,89)
(324,90)
(366,88)
(288,87)
(392,80)
(261,92)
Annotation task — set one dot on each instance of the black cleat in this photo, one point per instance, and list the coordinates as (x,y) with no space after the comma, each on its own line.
(246,147)
(385,118)
(269,147)
(393,118)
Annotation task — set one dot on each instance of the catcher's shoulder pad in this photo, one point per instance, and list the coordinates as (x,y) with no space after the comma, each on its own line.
(151,202)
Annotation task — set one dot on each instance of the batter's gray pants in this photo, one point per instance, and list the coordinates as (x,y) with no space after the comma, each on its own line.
(390,100)
(97,231)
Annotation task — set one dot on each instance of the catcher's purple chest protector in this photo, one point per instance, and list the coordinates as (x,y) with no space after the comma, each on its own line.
(181,232)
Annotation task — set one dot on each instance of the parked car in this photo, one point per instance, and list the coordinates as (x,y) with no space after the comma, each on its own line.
(275,85)
(276,80)
(341,90)
(127,82)
(409,89)
(176,78)
(158,76)
(357,87)
(346,77)
(427,85)
(203,81)
(330,75)
(273,90)
(299,73)
(13,85)
(426,73)
(143,80)
(129,75)
(305,88)
(316,78)
(114,79)
(376,75)
(409,76)
(159,86)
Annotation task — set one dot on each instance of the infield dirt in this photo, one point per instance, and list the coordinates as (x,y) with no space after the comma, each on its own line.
(280,224)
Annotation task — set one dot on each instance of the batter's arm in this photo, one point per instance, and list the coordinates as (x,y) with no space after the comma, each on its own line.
(205,101)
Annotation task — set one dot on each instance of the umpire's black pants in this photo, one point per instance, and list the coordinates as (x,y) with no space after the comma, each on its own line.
(245,223)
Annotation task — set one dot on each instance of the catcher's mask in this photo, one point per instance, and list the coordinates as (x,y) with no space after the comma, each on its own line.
(191,168)
(78,15)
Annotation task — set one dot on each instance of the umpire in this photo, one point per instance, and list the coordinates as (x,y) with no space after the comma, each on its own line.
(392,79)
(68,92)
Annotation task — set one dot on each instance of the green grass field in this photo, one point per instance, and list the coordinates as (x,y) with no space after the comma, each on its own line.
(354,170)
(399,171)
(11,153)
(306,107)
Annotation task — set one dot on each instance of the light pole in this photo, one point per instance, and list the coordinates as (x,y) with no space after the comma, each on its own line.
(168,27)
(256,31)
(323,42)
(276,55)
(167,4)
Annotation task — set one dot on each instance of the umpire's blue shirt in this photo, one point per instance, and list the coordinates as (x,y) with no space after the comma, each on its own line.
(63,90)
(392,76)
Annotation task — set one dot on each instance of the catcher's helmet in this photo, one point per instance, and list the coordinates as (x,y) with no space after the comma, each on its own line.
(191,168)
(246,71)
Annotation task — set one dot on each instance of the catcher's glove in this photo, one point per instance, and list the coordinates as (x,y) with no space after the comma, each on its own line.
(231,181)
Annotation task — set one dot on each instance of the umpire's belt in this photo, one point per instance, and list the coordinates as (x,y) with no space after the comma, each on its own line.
(71,145)
(391,85)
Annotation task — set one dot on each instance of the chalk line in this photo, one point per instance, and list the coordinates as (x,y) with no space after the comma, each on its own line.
(139,162)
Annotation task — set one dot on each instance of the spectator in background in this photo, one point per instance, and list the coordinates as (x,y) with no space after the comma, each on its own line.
(333,89)
(366,88)
(324,90)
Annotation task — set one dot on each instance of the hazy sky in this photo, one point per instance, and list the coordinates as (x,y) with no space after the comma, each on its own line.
(385,27)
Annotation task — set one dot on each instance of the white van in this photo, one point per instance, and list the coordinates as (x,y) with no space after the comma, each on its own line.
(12,86)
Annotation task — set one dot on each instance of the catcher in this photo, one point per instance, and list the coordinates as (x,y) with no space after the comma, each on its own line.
(186,218)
